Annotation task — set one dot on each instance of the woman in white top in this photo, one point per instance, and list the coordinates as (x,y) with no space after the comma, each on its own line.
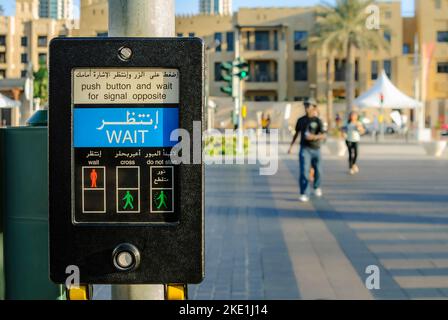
(353,132)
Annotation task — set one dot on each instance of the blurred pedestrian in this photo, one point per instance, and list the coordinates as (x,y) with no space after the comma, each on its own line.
(266,123)
(352,132)
(311,129)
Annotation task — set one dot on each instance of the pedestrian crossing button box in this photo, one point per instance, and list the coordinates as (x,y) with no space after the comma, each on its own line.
(122,208)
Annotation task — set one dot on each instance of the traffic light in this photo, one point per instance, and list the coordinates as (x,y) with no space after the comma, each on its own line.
(227,76)
(242,69)
(237,68)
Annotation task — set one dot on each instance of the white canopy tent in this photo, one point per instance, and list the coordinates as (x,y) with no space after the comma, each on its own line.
(6,102)
(384,94)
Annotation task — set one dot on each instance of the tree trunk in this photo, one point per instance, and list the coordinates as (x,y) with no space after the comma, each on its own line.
(330,93)
(350,77)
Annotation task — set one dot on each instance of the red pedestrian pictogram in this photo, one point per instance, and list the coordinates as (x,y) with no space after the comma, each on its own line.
(93,178)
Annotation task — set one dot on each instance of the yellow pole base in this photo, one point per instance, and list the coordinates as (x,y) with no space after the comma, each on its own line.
(176,292)
(79,293)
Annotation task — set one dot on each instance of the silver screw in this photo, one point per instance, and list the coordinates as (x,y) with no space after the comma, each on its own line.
(124,53)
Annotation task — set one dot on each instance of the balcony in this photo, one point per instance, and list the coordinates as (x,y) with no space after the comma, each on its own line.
(263,77)
(261,86)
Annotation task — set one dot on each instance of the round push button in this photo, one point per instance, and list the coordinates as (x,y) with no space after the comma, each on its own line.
(126,257)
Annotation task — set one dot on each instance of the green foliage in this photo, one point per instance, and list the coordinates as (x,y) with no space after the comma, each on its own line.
(224,145)
(342,28)
(343,25)
(41,83)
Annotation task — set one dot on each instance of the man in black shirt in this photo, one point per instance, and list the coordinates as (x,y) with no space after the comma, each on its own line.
(312,133)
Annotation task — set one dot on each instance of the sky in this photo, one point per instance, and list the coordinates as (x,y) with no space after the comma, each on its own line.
(191,6)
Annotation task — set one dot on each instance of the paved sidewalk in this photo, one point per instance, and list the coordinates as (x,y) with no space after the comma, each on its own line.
(262,243)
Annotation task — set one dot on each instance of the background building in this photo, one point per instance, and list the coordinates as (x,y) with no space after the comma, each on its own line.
(56,9)
(220,7)
(282,68)
(24,40)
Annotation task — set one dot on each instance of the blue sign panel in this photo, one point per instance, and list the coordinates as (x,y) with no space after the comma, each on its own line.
(124,127)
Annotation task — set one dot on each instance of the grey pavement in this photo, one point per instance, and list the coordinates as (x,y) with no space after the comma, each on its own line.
(392,215)
(261,243)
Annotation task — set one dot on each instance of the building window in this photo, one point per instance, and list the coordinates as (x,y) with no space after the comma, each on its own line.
(275,40)
(387,36)
(24,58)
(301,71)
(388,15)
(42,41)
(2,57)
(102,34)
(218,75)
(299,40)
(406,48)
(218,41)
(374,70)
(442,67)
(261,40)
(262,98)
(42,58)
(248,40)
(442,36)
(191,34)
(2,73)
(230,36)
(23,73)
(437,4)
(387,64)
(2,40)
(263,72)
(339,70)
(24,41)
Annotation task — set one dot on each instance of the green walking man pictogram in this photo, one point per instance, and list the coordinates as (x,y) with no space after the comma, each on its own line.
(129,199)
(161,199)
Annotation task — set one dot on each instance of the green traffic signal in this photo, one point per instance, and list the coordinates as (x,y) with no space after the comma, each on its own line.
(243,69)
(227,90)
(244,74)
(227,68)
(226,75)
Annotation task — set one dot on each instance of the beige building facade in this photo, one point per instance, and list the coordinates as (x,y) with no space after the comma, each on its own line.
(24,42)
(282,68)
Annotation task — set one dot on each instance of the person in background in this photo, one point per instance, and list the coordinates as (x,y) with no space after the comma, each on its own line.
(310,127)
(352,133)
(265,122)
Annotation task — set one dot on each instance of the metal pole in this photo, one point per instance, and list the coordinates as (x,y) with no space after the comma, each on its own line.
(140,18)
(237,85)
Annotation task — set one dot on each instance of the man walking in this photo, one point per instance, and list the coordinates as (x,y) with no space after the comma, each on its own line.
(312,134)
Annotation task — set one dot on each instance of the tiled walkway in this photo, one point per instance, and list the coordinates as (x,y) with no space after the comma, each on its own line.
(261,243)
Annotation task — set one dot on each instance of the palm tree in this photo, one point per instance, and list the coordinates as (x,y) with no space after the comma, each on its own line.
(341,29)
